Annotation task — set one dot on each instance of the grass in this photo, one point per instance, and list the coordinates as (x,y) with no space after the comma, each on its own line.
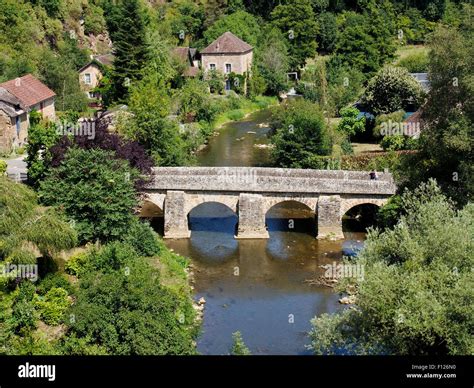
(408,50)
(247,107)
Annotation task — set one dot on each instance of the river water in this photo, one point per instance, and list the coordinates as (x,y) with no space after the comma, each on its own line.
(258,287)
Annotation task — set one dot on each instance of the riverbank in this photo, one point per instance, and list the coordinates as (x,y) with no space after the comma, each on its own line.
(244,111)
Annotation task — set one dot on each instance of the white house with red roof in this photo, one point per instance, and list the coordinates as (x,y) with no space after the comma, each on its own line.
(18,97)
(228,54)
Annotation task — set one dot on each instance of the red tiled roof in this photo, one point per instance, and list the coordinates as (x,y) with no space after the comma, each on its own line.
(191,71)
(181,53)
(29,90)
(227,43)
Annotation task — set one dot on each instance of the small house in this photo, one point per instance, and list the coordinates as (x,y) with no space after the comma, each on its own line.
(18,97)
(228,54)
(91,74)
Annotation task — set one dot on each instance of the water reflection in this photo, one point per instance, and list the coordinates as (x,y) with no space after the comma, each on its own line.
(258,286)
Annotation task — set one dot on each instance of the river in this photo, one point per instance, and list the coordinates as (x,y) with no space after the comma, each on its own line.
(257,287)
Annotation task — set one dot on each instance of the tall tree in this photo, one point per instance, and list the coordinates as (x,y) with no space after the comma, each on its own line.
(448,118)
(130,48)
(296,20)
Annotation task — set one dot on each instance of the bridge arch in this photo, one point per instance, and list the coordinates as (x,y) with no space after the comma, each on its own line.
(271,202)
(290,215)
(351,203)
(151,208)
(212,216)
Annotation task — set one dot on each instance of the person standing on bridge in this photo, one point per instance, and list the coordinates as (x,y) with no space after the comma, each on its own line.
(373,175)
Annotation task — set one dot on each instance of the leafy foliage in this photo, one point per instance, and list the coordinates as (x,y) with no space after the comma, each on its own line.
(296,20)
(127,311)
(392,89)
(300,133)
(238,347)
(417,293)
(95,190)
(351,123)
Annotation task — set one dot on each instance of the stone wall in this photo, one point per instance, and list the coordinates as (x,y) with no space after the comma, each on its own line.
(270,180)
(241,63)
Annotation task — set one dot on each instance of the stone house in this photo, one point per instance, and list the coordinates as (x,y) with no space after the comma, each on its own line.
(18,97)
(228,54)
(91,74)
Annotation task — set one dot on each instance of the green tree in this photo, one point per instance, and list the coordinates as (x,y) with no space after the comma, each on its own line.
(241,24)
(272,61)
(297,22)
(417,293)
(300,134)
(95,190)
(392,89)
(448,116)
(130,48)
(366,41)
(327,35)
(351,123)
(26,228)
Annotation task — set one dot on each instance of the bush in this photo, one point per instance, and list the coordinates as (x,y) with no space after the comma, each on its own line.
(126,311)
(301,134)
(53,306)
(53,280)
(398,143)
(78,264)
(3,167)
(351,123)
(418,288)
(238,347)
(142,238)
(235,115)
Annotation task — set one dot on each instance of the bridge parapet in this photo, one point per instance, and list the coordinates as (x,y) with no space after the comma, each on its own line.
(270,180)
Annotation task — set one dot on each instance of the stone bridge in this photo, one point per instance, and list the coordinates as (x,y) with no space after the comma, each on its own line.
(250,192)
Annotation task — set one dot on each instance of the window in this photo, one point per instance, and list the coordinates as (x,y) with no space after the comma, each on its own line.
(18,125)
(87,78)
(212,66)
(228,68)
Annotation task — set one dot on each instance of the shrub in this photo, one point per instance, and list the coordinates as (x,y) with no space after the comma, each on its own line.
(235,115)
(398,143)
(238,347)
(3,167)
(351,123)
(126,311)
(142,238)
(417,292)
(53,280)
(77,265)
(53,305)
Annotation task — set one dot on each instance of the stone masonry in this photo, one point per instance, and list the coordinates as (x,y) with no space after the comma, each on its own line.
(251,192)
